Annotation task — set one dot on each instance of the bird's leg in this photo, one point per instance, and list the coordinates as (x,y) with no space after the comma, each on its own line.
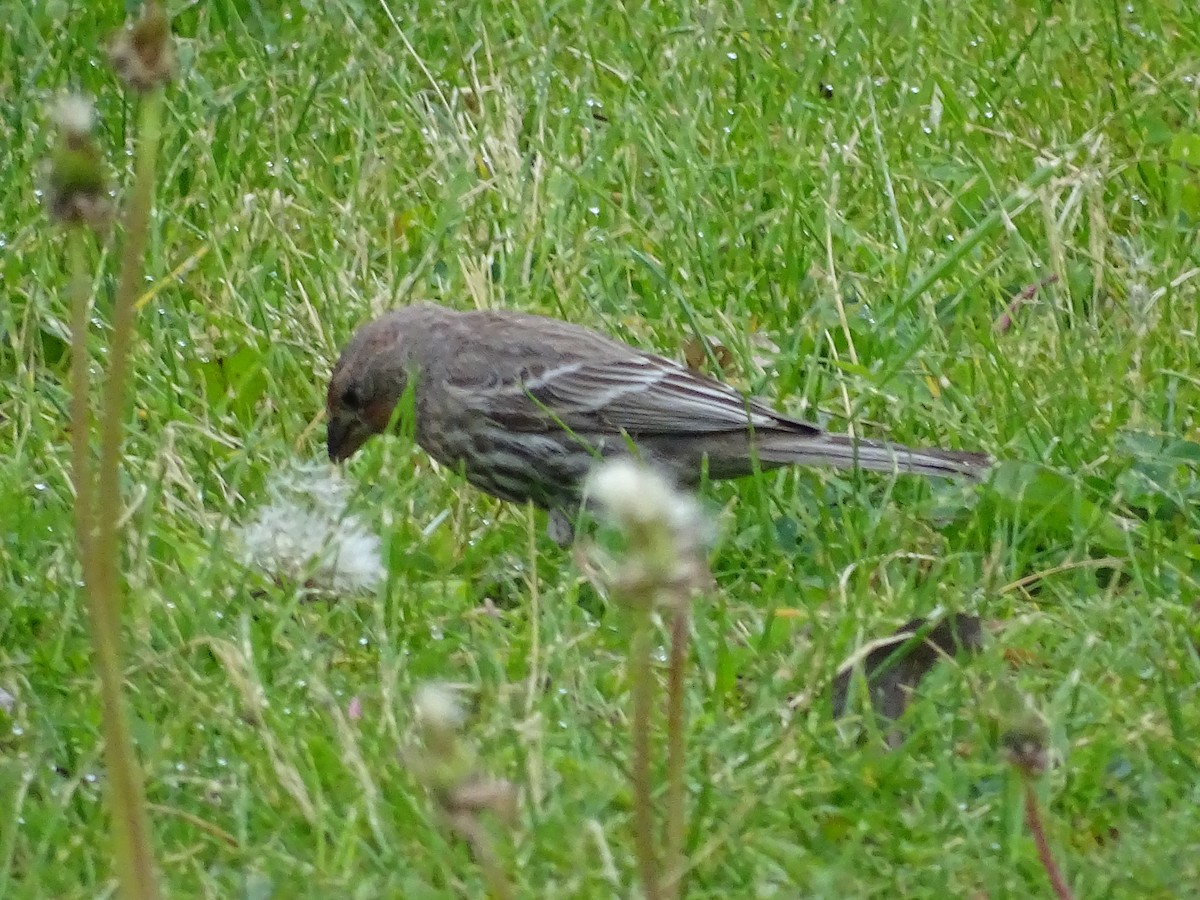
(560,527)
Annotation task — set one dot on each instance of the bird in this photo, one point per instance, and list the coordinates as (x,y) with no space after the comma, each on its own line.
(524,406)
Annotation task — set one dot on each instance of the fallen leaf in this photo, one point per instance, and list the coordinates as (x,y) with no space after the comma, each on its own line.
(696,356)
(1016,657)
(894,666)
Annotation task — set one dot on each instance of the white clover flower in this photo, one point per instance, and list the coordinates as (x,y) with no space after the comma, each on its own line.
(307,533)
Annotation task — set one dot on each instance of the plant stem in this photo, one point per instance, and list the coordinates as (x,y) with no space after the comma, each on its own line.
(112,414)
(135,862)
(485,856)
(641,678)
(1033,820)
(82,474)
(676,749)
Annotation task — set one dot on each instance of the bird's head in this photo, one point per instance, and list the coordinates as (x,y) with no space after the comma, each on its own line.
(368,380)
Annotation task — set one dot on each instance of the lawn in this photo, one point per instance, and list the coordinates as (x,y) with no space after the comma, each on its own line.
(965,225)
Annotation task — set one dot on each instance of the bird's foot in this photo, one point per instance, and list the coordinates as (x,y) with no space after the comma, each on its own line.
(561,528)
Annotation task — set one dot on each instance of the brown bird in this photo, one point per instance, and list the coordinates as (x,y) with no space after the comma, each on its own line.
(524,405)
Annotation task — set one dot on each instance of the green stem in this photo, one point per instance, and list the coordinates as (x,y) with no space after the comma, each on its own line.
(136,234)
(641,678)
(82,474)
(135,860)
(676,749)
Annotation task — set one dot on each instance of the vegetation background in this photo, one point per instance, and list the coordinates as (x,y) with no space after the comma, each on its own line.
(970,224)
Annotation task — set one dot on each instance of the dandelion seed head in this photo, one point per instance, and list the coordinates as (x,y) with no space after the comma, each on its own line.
(438,708)
(75,114)
(305,532)
(637,497)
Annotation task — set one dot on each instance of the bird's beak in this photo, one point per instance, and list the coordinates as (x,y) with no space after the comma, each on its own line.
(344,436)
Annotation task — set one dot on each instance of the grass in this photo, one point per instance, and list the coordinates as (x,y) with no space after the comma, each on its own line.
(847,200)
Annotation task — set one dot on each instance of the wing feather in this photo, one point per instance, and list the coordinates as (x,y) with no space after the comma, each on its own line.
(637,394)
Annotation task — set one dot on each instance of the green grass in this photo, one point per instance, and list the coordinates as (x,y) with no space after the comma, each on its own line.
(852,251)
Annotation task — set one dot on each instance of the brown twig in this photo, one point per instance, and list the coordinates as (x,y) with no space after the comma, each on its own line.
(1005,319)
(1033,820)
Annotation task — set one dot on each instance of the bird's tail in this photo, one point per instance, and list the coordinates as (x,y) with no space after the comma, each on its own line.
(844,452)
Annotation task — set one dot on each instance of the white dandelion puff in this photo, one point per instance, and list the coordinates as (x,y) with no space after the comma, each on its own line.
(306,533)
(438,707)
(75,114)
(635,498)
(665,530)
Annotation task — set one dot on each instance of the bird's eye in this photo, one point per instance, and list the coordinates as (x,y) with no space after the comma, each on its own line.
(351,398)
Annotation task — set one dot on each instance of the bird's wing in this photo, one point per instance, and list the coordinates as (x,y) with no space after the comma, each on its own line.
(639,395)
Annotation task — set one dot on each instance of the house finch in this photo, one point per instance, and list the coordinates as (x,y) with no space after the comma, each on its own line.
(524,405)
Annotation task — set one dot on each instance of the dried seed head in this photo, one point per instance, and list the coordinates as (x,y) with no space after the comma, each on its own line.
(143,52)
(637,497)
(481,794)
(445,760)
(76,193)
(665,532)
(75,115)
(1025,747)
(438,707)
